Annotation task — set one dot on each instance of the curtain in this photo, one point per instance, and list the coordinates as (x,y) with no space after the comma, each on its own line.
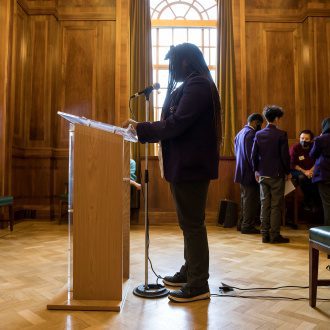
(226,77)
(141,66)
(140,76)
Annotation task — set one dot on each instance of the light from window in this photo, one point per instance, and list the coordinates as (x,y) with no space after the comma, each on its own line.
(175,22)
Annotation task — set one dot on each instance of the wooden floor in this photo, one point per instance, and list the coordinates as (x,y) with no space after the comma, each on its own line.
(33,269)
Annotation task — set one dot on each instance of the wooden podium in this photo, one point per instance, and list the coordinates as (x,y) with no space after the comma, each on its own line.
(98,269)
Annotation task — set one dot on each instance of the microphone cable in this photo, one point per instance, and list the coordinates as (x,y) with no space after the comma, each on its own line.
(148,237)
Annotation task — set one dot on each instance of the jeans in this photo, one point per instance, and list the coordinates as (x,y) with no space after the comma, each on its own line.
(250,206)
(271,198)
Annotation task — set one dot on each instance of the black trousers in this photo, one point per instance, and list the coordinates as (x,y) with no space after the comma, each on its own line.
(190,202)
(324,189)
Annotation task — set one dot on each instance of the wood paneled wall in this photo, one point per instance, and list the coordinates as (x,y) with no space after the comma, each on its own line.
(64,58)
(288,60)
(73,56)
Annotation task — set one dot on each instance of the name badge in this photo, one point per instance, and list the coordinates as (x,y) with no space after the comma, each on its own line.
(301,157)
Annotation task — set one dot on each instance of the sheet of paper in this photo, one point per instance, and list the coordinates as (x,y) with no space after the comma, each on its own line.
(289,187)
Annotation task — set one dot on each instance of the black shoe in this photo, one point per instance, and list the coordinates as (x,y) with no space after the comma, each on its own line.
(250,231)
(279,239)
(176,280)
(189,294)
(265,239)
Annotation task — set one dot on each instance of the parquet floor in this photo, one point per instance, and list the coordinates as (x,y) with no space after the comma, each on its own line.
(33,269)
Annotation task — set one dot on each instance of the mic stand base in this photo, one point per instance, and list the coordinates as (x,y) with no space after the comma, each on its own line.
(151,291)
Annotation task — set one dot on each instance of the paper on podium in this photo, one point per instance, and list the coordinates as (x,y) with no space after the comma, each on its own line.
(289,187)
(129,133)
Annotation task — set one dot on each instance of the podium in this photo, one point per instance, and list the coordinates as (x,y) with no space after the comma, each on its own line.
(99,217)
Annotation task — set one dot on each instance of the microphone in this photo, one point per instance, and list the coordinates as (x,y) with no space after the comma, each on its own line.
(147,90)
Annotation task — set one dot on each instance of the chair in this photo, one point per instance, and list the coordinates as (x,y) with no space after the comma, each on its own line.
(295,200)
(319,240)
(63,202)
(8,201)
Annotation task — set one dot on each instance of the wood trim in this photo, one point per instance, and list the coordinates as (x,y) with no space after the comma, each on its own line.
(46,152)
(243,62)
(299,17)
(182,23)
(122,66)
(50,7)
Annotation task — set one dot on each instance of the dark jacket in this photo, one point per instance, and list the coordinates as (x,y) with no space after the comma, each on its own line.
(270,152)
(243,147)
(321,152)
(187,132)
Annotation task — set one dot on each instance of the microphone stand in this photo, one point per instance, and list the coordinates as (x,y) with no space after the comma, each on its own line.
(147,290)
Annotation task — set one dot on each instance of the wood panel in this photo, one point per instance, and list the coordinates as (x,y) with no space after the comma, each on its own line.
(285,10)
(19,72)
(98,214)
(274,74)
(87,74)
(40,99)
(64,59)
(6,17)
(161,205)
(320,68)
(122,86)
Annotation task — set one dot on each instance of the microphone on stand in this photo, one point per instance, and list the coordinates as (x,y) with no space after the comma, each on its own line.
(147,90)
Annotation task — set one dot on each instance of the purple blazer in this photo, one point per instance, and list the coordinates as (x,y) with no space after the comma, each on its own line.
(243,147)
(270,152)
(187,133)
(321,152)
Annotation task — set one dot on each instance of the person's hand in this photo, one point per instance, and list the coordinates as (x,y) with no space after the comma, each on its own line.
(130,122)
(257,176)
(135,184)
(288,177)
(309,173)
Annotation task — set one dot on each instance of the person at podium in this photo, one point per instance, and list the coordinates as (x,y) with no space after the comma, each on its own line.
(189,133)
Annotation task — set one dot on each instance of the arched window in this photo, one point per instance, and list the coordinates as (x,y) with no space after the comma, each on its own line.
(177,21)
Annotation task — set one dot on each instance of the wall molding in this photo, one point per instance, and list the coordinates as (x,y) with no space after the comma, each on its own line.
(40,152)
(50,7)
(280,17)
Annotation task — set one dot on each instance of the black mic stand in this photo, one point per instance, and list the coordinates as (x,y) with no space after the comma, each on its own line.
(147,290)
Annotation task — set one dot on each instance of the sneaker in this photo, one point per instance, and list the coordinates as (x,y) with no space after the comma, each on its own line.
(176,280)
(250,231)
(279,239)
(189,294)
(265,239)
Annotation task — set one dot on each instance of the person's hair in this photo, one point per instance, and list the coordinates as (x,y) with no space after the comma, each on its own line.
(196,64)
(326,125)
(271,112)
(255,117)
(307,131)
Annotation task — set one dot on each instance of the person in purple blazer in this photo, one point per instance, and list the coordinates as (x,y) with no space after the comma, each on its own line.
(190,136)
(321,174)
(271,164)
(244,175)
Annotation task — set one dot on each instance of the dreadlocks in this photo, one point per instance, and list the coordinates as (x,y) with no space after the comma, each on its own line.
(196,64)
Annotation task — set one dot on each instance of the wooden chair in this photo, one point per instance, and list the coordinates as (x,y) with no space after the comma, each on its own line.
(7,201)
(319,240)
